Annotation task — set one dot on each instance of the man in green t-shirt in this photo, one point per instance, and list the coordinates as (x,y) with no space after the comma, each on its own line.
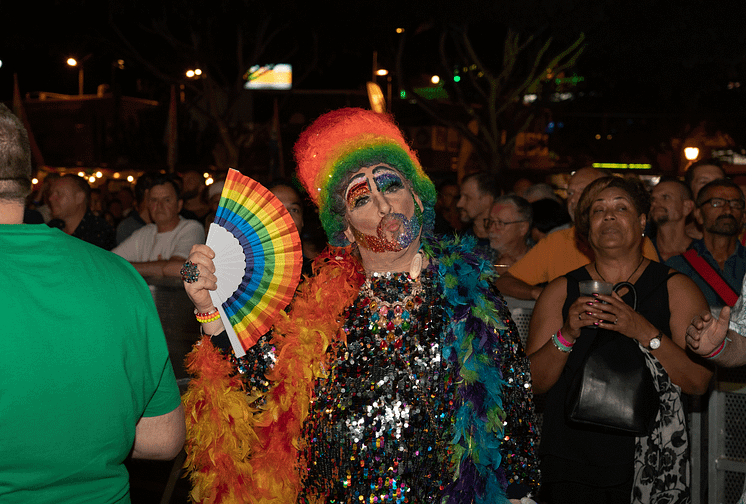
(85,377)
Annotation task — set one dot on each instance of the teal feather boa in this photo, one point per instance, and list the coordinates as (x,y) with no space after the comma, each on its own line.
(473,312)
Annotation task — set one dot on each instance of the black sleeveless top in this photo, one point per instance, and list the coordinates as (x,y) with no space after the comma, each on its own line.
(572,453)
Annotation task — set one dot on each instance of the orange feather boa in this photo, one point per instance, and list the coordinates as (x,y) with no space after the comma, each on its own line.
(239,454)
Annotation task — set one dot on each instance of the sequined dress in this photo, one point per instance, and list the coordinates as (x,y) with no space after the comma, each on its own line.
(382,423)
(379,420)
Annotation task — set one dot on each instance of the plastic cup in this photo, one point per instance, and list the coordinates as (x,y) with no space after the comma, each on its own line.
(590,287)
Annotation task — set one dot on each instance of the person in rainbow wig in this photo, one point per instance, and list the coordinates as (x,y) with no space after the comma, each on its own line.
(396,375)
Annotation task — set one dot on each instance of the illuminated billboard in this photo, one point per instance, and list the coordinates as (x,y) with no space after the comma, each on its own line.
(278,76)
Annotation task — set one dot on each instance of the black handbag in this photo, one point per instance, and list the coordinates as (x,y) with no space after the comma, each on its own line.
(613,391)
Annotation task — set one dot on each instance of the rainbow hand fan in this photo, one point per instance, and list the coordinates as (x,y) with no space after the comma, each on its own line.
(258,259)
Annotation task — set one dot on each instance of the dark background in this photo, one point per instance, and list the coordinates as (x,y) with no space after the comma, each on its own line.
(651,70)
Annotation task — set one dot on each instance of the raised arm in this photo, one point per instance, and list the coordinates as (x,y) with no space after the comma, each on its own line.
(706,336)
(199,290)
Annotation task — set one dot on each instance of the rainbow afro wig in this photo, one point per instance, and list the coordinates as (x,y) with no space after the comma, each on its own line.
(341,142)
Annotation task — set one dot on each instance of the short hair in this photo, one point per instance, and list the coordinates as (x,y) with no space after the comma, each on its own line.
(639,196)
(144,182)
(15,157)
(81,184)
(485,183)
(168,178)
(548,214)
(685,188)
(689,174)
(522,207)
(701,197)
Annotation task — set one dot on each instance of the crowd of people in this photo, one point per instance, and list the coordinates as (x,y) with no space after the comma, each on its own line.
(396,374)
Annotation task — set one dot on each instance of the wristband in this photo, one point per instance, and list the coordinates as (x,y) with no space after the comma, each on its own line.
(204,318)
(560,346)
(562,340)
(717,351)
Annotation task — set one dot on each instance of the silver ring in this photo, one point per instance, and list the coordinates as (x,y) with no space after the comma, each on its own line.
(579,317)
(616,320)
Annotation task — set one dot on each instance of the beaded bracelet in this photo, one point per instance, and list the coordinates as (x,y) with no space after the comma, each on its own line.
(560,346)
(719,349)
(204,318)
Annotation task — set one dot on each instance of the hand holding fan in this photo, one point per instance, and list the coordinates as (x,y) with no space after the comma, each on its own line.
(258,259)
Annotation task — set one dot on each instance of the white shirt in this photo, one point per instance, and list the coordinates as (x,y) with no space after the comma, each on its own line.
(147,244)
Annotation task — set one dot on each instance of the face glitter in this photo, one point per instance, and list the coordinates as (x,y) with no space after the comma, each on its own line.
(357,192)
(376,191)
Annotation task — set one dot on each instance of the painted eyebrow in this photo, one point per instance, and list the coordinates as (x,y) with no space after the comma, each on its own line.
(357,190)
(384,176)
(356,181)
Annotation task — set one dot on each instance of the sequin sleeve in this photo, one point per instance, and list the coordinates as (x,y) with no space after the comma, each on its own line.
(521,439)
(253,366)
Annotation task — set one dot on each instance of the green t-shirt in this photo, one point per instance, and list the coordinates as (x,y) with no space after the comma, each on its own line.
(83,358)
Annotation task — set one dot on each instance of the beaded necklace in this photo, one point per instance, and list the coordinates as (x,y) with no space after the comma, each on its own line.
(400,295)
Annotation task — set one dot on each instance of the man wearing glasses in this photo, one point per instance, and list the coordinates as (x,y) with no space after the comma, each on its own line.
(717,262)
(509,230)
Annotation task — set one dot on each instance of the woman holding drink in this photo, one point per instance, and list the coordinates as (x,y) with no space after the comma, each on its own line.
(583,464)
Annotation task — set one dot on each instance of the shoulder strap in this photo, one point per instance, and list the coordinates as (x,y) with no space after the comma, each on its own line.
(712,277)
(661,282)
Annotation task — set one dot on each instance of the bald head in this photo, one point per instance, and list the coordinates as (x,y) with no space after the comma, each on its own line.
(579,181)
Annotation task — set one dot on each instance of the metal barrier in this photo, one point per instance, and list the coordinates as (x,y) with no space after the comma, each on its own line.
(177,318)
(726,411)
(521,311)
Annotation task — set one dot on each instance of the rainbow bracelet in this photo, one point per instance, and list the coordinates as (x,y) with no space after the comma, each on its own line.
(204,318)
(719,349)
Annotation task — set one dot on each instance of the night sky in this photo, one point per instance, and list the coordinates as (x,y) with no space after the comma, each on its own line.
(641,57)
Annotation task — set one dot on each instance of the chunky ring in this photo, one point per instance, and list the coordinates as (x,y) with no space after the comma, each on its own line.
(189,272)
(616,320)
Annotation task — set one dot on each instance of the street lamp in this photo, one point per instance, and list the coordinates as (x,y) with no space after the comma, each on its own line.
(75,63)
(691,153)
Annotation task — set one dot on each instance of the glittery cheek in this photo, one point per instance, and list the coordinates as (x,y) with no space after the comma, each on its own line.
(357,190)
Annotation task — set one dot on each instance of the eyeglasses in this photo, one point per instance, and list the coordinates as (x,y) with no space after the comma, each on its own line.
(488,223)
(736,204)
